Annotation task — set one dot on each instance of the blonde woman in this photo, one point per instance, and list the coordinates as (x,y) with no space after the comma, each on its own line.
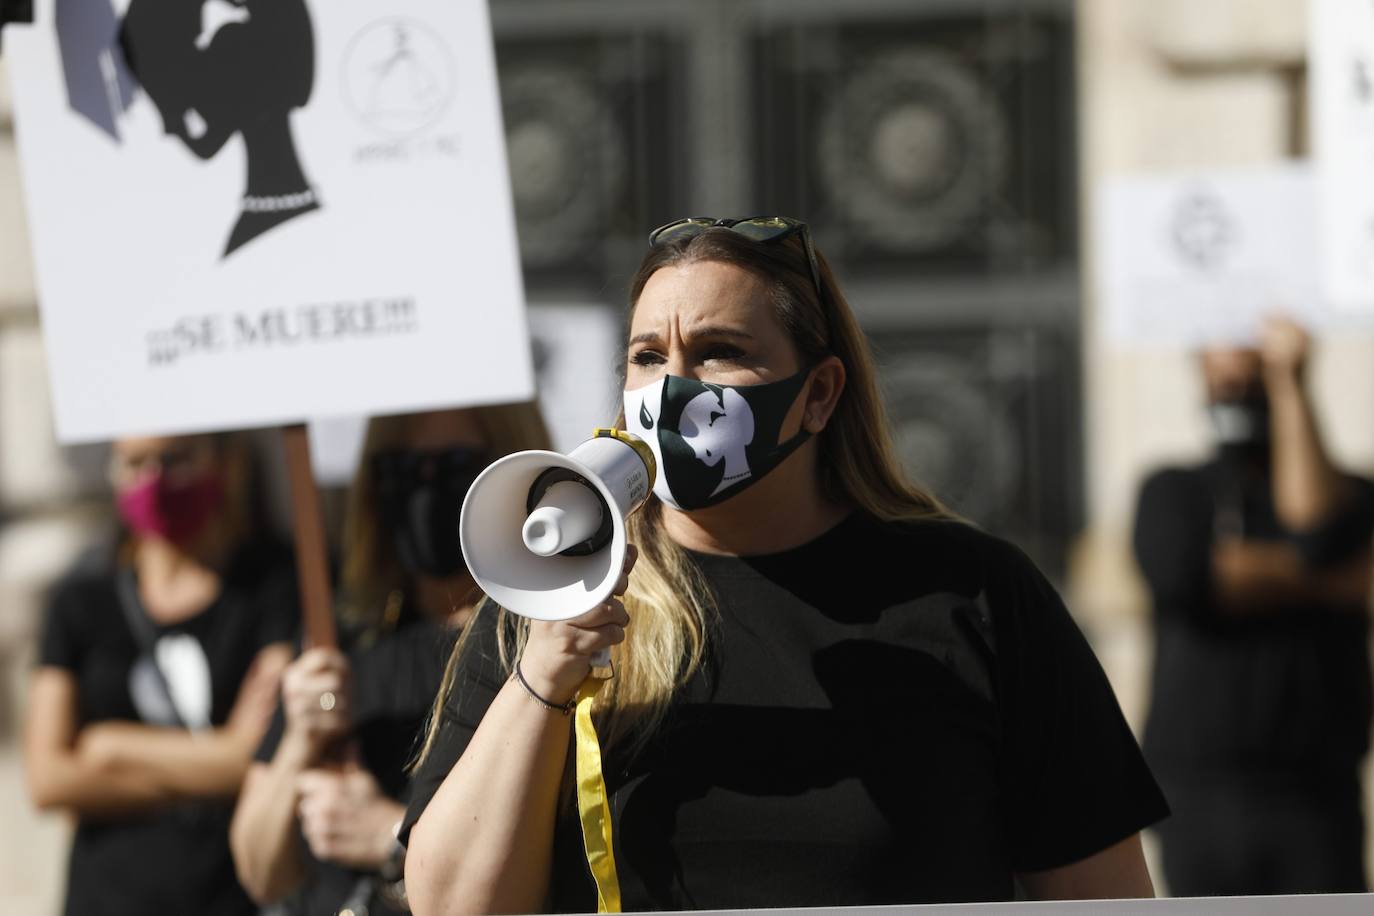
(317,832)
(828,691)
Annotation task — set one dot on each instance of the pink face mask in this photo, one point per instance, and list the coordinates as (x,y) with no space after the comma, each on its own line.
(152,508)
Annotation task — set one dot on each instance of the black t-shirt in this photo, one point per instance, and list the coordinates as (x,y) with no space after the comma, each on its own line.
(1281,695)
(892,713)
(395,681)
(174,859)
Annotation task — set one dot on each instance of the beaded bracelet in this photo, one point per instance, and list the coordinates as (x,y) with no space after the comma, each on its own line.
(565,708)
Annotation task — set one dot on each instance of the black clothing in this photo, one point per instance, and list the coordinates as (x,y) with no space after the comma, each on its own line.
(174,859)
(394,684)
(891,713)
(1230,838)
(1276,704)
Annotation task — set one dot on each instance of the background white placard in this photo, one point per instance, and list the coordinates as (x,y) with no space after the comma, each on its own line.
(402,292)
(1194,259)
(1342,105)
(576,350)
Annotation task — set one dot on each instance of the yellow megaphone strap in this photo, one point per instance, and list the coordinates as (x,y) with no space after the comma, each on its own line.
(593,807)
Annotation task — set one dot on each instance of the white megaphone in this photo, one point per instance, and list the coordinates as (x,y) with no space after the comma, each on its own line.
(543,533)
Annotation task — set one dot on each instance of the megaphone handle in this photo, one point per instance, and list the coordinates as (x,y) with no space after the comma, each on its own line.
(601,659)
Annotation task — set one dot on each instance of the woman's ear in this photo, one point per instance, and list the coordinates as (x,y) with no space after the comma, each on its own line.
(827,384)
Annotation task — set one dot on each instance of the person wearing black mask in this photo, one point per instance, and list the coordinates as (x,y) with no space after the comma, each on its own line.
(1259,565)
(405,594)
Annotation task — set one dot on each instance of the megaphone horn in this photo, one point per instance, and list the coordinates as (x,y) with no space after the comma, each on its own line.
(543,533)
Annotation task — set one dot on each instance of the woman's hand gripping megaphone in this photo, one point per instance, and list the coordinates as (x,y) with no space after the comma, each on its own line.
(559,653)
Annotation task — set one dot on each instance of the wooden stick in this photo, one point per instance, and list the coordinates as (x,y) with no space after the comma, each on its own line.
(312,564)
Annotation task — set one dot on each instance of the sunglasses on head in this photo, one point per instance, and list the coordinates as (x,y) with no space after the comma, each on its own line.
(754,228)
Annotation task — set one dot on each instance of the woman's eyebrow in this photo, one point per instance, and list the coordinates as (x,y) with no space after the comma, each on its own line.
(720,331)
(704,331)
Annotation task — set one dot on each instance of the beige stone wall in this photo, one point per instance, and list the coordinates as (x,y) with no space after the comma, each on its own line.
(1170,85)
(44,524)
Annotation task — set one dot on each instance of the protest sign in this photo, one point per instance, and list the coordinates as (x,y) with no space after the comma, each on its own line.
(251,214)
(1342,105)
(1201,258)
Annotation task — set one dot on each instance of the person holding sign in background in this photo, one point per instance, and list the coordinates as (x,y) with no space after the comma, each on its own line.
(827,691)
(157,673)
(1259,563)
(406,594)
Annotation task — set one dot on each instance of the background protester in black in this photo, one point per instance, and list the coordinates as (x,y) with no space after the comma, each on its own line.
(1259,563)
(321,835)
(827,690)
(157,674)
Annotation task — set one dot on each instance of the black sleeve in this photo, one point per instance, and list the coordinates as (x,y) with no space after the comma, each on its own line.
(278,600)
(58,641)
(1348,530)
(475,684)
(1173,541)
(1076,781)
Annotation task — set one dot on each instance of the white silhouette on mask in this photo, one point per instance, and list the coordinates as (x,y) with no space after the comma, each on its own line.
(718,424)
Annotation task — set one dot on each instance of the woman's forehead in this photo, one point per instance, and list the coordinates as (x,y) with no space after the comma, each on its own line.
(146,445)
(702,293)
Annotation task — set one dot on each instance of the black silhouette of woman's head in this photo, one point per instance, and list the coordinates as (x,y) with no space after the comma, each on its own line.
(215,68)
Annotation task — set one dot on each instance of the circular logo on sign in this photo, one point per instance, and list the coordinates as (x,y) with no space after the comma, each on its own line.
(398,76)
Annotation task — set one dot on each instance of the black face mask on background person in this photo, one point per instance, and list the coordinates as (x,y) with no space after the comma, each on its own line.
(421,498)
(1241,426)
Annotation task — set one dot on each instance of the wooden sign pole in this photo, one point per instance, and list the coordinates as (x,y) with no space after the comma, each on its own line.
(312,564)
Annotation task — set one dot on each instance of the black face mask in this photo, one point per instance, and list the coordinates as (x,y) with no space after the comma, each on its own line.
(421,497)
(1241,426)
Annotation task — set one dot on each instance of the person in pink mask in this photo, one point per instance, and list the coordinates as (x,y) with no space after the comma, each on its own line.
(157,672)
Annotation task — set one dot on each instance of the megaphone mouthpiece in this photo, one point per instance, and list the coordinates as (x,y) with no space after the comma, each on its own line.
(568,513)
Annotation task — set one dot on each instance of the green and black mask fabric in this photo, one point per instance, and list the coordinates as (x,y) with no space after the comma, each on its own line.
(712,440)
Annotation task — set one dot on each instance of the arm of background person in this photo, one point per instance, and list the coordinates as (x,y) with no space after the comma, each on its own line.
(1307,488)
(1118,872)
(1252,577)
(263,836)
(58,778)
(210,763)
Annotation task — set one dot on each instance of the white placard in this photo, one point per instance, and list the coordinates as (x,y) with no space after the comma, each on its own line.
(201,265)
(1188,260)
(576,351)
(1342,105)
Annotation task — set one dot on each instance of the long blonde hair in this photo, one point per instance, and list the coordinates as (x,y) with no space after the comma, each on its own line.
(669,602)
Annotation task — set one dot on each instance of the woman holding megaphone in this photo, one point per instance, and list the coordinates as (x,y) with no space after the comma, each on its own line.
(827,690)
